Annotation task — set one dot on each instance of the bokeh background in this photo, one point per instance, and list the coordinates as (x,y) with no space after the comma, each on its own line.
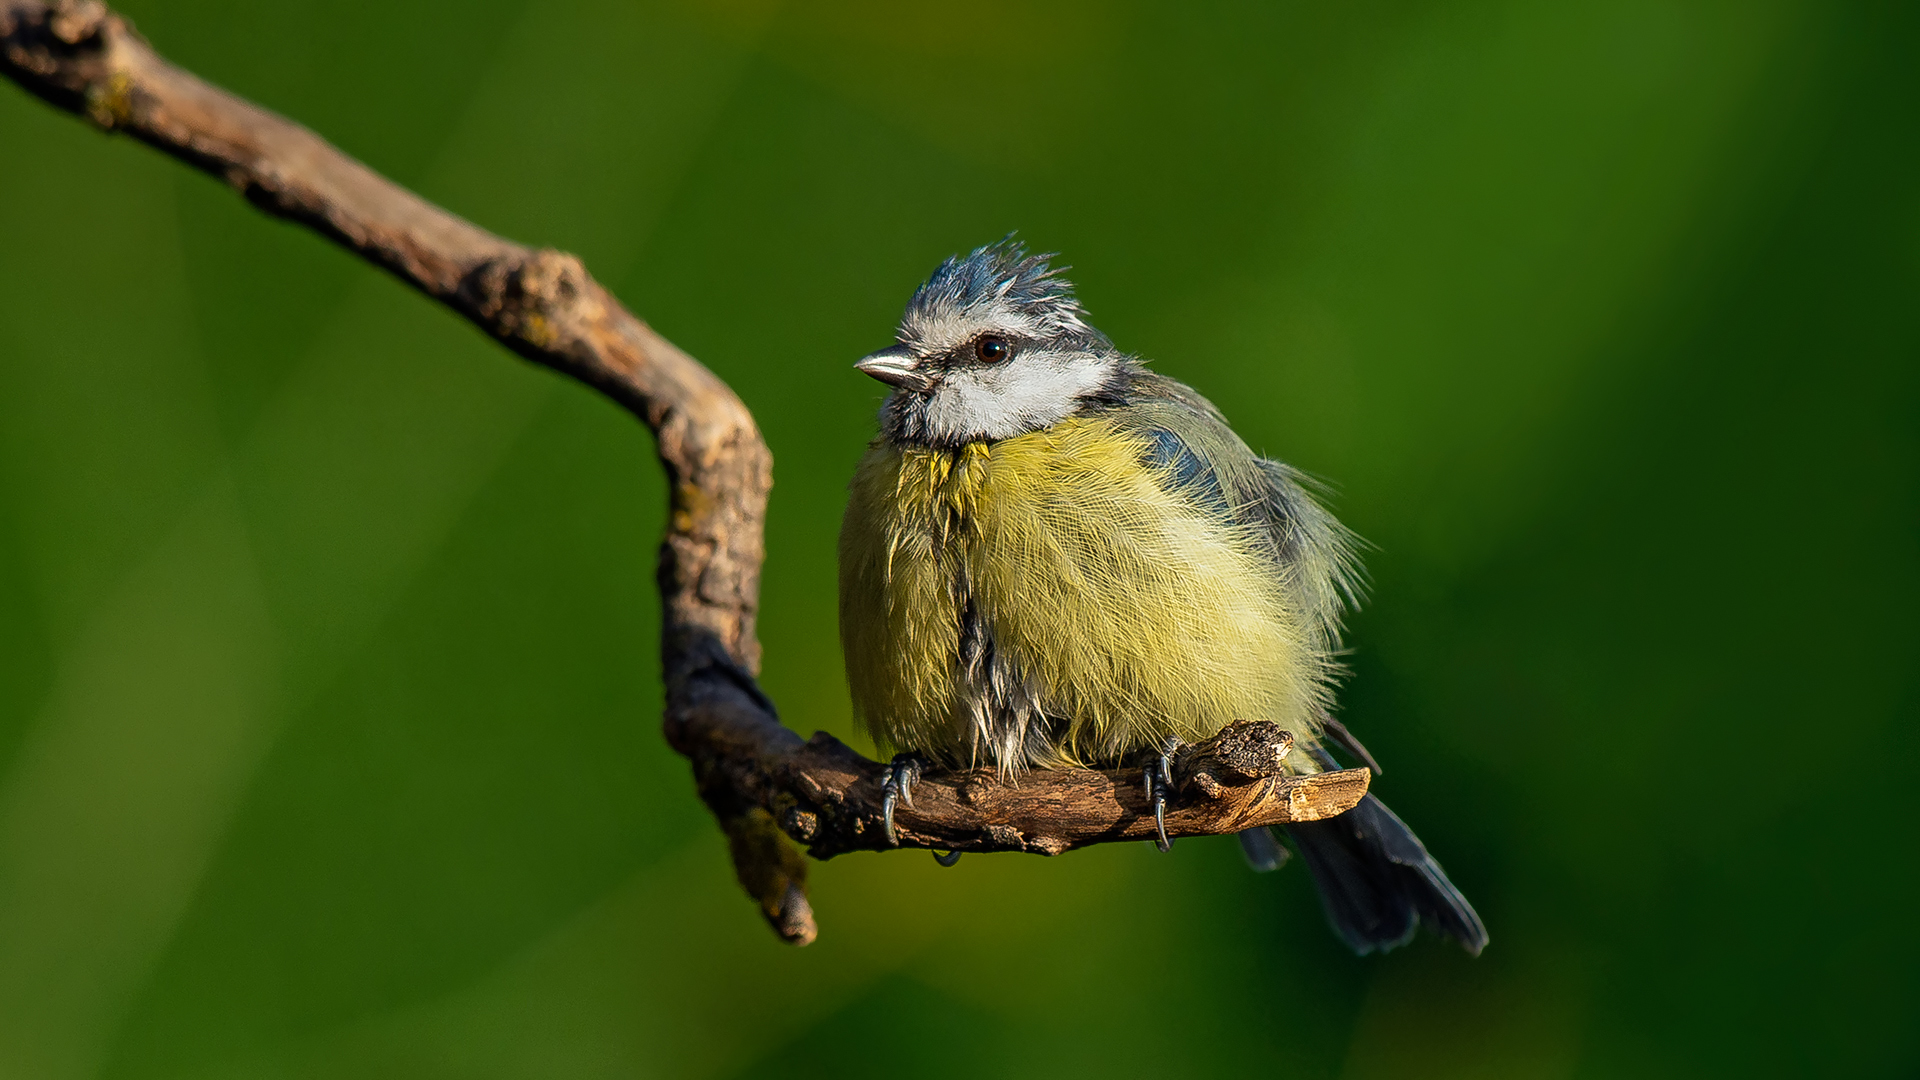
(328,701)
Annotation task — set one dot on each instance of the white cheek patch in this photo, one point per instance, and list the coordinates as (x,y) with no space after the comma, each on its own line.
(1029,392)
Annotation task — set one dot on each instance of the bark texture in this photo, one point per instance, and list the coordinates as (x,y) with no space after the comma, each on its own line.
(766,785)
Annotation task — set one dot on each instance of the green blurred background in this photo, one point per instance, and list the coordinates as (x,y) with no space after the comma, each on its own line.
(328,701)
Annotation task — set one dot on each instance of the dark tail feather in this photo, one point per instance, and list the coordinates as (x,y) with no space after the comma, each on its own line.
(1378,883)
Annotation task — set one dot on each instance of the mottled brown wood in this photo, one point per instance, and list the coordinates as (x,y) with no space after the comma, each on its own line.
(762,782)
(830,799)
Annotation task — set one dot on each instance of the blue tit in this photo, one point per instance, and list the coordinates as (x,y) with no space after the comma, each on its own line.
(1053,556)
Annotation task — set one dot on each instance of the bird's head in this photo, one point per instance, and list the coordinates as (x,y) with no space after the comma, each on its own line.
(993,345)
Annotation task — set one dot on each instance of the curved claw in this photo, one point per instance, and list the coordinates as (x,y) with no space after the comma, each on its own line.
(948,859)
(1159,784)
(902,773)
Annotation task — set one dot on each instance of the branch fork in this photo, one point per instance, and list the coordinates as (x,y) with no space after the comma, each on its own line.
(767,787)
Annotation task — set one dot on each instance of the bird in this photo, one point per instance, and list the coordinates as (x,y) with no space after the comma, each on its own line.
(1053,556)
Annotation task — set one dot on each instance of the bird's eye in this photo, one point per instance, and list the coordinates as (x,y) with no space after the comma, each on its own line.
(992,350)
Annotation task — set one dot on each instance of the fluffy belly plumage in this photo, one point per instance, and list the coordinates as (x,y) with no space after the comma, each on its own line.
(1052,599)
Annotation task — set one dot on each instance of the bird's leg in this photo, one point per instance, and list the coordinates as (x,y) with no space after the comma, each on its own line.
(1263,852)
(902,774)
(1160,787)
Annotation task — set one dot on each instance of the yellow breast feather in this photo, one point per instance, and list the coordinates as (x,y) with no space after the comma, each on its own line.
(1128,612)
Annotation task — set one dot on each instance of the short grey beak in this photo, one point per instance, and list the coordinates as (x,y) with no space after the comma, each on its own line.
(895,367)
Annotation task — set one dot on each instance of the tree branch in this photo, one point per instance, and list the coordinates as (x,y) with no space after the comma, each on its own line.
(763,783)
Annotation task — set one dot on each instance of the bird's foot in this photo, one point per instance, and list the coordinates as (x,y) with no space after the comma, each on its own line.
(902,774)
(948,859)
(1159,782)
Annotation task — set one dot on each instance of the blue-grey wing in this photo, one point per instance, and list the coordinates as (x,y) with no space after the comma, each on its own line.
(1375,878)
(1189,442)
(1323,553)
